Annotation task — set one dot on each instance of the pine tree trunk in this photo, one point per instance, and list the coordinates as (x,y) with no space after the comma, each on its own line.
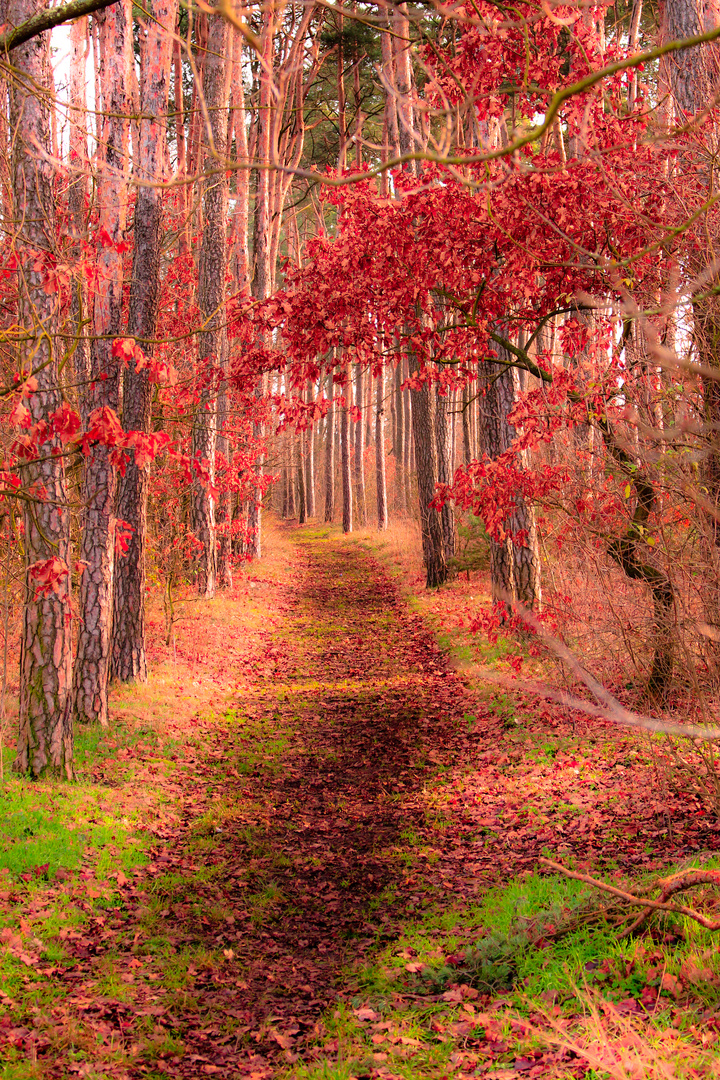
(514,566)
(442,437)
(128,658)
(242,272)
(330,455)
(92,664)
(453,432)
(408,445)
(399,442)
(263,278)
(45,737)
(77,202)
(693,77)
(359,460)
(285,482)
(393,428)
(290,473)
(310,466)
(404,85)
(345,458)
(389,82)
(183,235)
(380,482)
(300,472)
(430,524)
(211,297)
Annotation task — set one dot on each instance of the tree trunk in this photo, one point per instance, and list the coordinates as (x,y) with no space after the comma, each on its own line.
(310,466)
(330,455)
(444,472)
(345,458)
(626,552)
(404,85)
(430,525)
(92,664)
(300,473)
(514,566)
(128,659)
(359,461)
(453,432)
(408,444)
(211,298)
(262,234)
(77,201)
(399,442)
(692,74)
(380,484)
(290,474)
(389,82)
(45,738)
(242,270)
(182,193)
(223,512)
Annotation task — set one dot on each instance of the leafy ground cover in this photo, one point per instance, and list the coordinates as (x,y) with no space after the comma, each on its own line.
(309,848)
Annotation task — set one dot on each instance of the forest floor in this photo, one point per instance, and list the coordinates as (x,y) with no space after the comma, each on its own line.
(309,848)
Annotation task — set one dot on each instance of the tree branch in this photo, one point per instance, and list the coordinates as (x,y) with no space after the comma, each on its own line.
(45,20)
(670,886)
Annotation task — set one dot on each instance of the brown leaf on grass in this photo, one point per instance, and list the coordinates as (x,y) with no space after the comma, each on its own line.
(284,1041)
(365,1013)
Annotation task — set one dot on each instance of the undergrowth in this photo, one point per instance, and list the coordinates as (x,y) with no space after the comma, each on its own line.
(534,966)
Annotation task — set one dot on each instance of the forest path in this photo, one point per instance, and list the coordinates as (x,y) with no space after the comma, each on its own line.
(341,828)
(314,787)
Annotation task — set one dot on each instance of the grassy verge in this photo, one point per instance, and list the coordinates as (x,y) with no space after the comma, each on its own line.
(534,975)
(84,899)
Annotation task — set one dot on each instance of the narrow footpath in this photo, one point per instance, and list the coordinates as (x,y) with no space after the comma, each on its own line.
(321,778)
(355,788)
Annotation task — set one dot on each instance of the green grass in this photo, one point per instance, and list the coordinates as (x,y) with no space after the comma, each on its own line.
(496,947)
(44,827)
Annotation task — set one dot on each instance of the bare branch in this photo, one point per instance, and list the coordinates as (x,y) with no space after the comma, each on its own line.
(677,883)
(613,710)
(45,20)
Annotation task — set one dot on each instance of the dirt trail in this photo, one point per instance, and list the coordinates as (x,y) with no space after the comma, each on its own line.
(292,875)
(355,783)
(359,703)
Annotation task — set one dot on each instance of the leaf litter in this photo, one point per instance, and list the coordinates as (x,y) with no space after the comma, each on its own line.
(341,800)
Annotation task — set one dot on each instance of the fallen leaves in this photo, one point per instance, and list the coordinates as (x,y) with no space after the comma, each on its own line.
(343,797)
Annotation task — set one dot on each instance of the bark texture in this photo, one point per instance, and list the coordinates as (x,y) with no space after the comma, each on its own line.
(347,493)
(359,449)
(211,297)
(444,466)
(262,232)
(128,657)
(380,480)
(514,564)
(77,200)
(627,552)
(330,454)
(693,79)
(426,462)
(92,664)
(45,740)
(310,466)
(692,74)
(399,443)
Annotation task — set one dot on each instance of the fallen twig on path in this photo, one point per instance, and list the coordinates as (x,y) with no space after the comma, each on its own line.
(675,884)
